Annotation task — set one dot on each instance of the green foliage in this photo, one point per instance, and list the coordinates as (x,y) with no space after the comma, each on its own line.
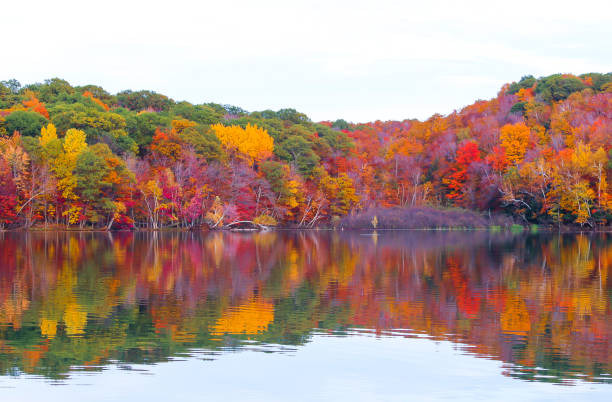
(141,127)
(525,82)
(234,110)
(518,107)
(204,143)
(516,228)
(32,146)
(91,119)
(9,93)
(12,85)
(53,90)
(299,152)
(144,100)
(99,93)
(341,124)
(202,114)
(98,124)
(89,171)
(599,80)
(26,122)
(275,174)
(335,140)
(289,115)
(558,87)
(122,144)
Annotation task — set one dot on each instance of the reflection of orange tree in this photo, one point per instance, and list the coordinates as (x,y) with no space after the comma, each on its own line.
(249,318)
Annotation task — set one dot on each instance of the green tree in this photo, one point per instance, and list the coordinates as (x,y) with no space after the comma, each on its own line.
(26,122)
(144,100)
(202,114)
(89,171)
(299,152)
(558,87)
(204,143)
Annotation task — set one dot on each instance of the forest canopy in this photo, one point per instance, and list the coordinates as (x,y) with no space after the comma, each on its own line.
(538,152)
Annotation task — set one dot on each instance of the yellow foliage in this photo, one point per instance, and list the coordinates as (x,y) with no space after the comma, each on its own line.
(152,188)
(73,214)
(16,157)
(215,213)
(540,133)
(265,220)
(514,139)
(74,143)
(341,191)
(252,142)
(47,135)
(48,328)
(293,187)
(406,146)
(180,125)
(515,317)
(75,319)
(120,208)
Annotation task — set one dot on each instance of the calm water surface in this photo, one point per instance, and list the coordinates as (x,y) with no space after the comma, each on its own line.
(305,316)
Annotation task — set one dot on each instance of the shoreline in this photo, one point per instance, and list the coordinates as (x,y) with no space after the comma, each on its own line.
(531,229)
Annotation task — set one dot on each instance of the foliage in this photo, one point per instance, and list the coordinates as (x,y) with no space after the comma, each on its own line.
(538,153)
(25,122)
(251,142)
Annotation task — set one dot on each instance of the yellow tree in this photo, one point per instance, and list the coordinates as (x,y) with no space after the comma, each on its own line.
(252,143)
(572,174)
(340,193)
(63,166)
(179,125)
(514,139)
(599,163)
(47,135)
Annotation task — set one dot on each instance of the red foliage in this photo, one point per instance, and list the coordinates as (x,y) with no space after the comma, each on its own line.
(8,196)
(458,174)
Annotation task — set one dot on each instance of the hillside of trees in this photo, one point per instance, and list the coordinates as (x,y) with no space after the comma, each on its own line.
(539,152)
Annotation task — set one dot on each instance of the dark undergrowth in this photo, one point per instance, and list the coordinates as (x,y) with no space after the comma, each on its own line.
(422,218)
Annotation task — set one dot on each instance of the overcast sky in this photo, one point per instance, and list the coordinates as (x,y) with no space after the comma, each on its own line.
(357,60)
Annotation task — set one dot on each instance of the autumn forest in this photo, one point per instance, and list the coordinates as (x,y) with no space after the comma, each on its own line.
(70,156)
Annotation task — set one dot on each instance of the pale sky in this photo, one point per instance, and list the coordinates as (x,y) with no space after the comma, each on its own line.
(357,60)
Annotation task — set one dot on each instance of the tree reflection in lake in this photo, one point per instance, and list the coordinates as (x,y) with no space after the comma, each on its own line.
(81,301)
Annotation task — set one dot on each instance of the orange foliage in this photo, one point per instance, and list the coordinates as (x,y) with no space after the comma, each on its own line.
(35,105)
(89,95)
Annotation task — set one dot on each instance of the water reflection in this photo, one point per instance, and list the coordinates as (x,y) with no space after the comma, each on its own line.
(70,302)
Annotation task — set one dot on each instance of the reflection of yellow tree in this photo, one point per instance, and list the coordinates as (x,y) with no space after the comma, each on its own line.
(48,328)
(75,319)
(515,317)
(13,308)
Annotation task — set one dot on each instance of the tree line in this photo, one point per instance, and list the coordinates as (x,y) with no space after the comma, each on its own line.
(78,156)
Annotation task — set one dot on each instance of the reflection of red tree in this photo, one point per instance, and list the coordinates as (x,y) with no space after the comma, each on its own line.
(467,302)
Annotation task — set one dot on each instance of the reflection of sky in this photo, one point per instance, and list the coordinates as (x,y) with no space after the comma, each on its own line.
(359,60)
(356,368)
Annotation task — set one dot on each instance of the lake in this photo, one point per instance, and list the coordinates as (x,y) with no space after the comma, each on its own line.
(310,315)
